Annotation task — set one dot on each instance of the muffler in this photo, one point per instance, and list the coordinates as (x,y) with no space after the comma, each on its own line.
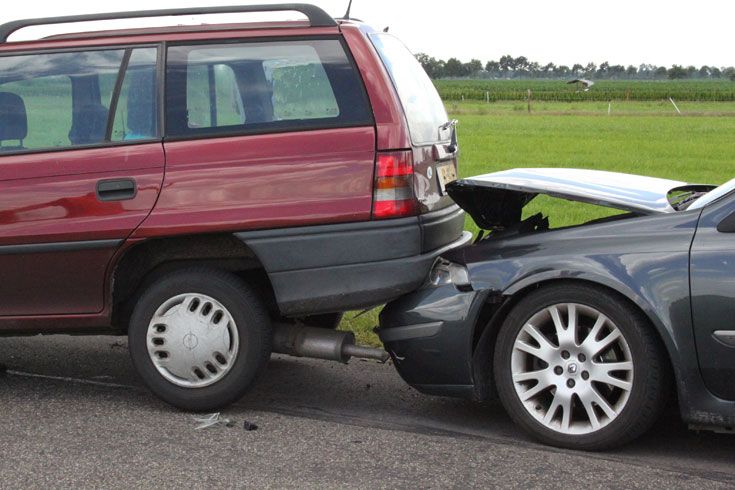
(321,343)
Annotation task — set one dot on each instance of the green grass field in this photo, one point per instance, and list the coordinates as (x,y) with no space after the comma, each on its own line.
(645,139)
(603,90)
(660,108)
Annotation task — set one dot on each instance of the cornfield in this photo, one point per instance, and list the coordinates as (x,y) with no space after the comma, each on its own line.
(604,90)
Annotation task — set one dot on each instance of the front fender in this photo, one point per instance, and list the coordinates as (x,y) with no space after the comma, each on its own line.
(656,282)
(641,298)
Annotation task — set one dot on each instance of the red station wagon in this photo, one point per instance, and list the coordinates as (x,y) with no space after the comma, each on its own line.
(217,192)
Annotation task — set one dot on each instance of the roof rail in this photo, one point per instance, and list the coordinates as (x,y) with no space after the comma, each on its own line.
(317,17)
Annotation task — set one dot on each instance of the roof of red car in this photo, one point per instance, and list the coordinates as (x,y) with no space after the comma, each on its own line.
(170,33)
(141,31)
(319,22)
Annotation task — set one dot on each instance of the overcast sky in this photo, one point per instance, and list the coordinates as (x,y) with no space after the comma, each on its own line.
(575,31)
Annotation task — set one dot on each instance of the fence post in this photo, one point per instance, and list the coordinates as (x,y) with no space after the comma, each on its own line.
(675,106)
(529,100)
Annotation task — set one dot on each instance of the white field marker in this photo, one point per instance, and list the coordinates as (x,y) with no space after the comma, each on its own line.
(674,103)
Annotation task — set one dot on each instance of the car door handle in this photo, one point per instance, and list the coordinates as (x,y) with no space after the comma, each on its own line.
(116,190)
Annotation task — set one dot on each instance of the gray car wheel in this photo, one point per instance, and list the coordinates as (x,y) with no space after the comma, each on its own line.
(577,367)
(199,338)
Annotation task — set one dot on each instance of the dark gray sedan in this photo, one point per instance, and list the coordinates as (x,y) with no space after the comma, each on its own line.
(582,332)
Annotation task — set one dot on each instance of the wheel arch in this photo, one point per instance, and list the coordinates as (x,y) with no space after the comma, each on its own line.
(143,262)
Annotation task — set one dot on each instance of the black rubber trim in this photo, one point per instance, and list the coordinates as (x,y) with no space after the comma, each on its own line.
(111,112)
(291,249)
(334,245)
(348,287)
(457,391)
(37,248)
(409,332)
(337,267)
(334,228)
(317,17)
(438,225)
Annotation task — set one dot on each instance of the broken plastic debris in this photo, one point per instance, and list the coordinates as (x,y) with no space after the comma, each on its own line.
(212,420)
(216,419)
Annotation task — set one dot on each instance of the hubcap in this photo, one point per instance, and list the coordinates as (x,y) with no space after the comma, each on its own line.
(572,368)
(192,340)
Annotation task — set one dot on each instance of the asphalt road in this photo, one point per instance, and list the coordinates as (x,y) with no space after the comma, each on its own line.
(74,414)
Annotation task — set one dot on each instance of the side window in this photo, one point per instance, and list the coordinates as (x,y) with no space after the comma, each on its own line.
(198,97)
(301,91)
(263,87)
(56,100)
(213,97)
(35,113)
(228,103)
(136,116)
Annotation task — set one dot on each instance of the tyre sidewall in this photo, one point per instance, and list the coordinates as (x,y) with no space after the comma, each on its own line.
(630,324)
(251,321)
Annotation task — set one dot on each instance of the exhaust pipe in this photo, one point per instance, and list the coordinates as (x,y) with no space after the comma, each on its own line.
(321,343)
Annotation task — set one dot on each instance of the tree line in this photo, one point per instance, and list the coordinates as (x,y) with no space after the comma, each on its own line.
(521,67)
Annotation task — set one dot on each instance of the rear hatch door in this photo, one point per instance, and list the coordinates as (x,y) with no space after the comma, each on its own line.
(433,135)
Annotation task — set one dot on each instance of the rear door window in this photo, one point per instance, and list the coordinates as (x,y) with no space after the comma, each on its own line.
(56,100)
(263,87)
(424,108)
(136,114)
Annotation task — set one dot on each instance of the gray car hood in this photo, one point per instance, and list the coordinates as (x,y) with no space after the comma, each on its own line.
(497,199)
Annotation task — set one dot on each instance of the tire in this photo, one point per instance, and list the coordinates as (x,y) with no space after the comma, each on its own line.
(606,407)
(213,354)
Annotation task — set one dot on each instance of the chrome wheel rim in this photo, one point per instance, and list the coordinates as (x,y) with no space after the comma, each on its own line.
(572,368)
(192,340)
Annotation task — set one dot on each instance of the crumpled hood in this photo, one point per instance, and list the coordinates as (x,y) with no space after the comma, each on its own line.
(497,199)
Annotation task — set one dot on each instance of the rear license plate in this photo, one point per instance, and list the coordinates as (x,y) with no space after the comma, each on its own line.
(446,174)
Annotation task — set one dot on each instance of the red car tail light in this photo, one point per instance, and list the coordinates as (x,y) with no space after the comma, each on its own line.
(393,196)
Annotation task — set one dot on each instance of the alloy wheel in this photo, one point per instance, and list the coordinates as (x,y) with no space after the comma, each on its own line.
(572,368)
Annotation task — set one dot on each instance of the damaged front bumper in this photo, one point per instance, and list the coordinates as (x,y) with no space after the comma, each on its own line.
(429,333)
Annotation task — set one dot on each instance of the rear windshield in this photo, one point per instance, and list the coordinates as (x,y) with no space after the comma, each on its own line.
(421,102)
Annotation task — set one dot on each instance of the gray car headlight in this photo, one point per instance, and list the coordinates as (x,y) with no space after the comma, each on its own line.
(445,272)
